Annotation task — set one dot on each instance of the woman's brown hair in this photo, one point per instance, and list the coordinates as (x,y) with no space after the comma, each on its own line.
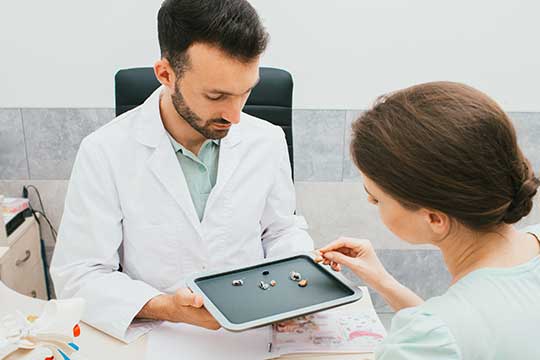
(448,147)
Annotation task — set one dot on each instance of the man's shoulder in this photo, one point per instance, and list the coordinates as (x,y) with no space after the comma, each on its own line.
(117,131)
(254,127)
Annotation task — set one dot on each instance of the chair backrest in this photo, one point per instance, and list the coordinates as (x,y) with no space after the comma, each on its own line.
(270,100)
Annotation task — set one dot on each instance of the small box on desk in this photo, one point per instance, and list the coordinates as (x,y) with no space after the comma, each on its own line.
(13,211)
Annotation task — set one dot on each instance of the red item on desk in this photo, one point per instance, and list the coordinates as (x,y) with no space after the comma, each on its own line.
(76,330)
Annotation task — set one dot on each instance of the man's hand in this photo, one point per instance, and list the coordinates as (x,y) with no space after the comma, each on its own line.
(182,306)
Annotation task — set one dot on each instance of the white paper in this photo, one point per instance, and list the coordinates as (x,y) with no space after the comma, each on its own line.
(331,331)
(181,341)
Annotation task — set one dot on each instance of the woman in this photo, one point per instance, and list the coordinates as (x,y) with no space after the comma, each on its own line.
(441,162)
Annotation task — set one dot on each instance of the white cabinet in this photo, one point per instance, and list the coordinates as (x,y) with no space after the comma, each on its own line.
(21,267)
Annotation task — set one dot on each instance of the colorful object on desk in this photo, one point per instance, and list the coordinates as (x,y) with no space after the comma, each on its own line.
(31,318)
(76,330)
(353,335)
(53,330)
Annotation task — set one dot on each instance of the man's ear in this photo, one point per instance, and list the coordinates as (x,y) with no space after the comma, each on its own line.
(165,74)
(438,221)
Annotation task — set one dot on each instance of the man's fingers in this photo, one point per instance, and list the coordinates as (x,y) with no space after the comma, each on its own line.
(188,298)
(198,301)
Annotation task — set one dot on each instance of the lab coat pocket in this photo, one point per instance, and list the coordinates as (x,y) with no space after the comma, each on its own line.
(153,254)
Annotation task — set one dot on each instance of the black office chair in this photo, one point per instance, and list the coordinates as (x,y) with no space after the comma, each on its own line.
(270,100)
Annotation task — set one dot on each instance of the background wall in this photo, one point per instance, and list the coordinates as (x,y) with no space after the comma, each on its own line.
(342,54)
(59,59)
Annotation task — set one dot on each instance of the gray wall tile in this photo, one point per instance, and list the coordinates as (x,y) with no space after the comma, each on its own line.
(334,209)
(534,216)
(318,144)
(350,172)
(528,133)
(13,163)
(53,137)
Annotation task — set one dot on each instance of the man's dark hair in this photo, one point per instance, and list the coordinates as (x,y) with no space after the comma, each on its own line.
(232,25)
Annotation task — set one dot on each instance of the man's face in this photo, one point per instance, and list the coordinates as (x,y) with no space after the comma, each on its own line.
(213,90)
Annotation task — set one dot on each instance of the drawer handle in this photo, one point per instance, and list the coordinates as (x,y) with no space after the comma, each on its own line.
(26,257)
(34,293)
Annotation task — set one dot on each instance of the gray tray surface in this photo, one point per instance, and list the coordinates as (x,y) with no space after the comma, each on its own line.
(240,304)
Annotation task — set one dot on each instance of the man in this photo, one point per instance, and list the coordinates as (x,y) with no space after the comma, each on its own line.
(183,183)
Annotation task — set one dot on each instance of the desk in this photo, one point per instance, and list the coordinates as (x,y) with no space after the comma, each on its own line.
(96,345)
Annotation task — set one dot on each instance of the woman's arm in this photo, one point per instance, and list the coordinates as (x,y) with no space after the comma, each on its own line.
(397,295)
(360,257)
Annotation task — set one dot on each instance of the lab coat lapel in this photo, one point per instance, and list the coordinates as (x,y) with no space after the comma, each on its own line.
(229,158)
(165,166)
(163,162)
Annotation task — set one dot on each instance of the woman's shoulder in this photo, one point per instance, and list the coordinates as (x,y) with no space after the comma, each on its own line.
(443,327)
(418,333)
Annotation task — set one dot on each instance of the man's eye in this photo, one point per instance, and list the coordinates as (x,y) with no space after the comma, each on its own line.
(214,98)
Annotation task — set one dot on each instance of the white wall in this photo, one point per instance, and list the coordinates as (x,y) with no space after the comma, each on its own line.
(342,53)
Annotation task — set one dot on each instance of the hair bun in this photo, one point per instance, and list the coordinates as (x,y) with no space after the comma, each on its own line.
(522,203)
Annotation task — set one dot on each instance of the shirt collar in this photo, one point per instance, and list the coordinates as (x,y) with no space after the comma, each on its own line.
(179,147)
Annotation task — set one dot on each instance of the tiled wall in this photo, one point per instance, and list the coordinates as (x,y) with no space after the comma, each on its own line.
(38,146)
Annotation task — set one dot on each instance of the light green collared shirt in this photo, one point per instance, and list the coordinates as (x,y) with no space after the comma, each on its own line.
(200,171)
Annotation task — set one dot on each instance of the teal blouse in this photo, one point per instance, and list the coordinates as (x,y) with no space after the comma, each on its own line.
(491,313)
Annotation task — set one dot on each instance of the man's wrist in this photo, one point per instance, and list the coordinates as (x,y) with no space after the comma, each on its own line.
(157,308)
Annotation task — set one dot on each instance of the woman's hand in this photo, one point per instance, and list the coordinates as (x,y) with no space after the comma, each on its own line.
(358,255)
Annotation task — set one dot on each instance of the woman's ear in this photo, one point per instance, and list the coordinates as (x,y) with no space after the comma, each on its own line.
(437,221)
(165,74)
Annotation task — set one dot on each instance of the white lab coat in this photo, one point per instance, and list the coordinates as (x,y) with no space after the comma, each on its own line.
(128,202)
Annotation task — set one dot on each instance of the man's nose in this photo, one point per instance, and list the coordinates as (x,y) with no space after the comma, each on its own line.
(232,113)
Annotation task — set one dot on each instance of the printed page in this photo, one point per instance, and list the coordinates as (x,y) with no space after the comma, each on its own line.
(332,331)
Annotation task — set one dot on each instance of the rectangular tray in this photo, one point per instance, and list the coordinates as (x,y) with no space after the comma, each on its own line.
(239,308)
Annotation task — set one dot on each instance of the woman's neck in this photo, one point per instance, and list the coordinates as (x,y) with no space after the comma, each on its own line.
(466,250)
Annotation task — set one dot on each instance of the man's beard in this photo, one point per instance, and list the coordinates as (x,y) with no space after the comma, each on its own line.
(203,127)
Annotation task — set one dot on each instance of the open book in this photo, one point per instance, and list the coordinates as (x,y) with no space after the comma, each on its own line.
(331,331)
